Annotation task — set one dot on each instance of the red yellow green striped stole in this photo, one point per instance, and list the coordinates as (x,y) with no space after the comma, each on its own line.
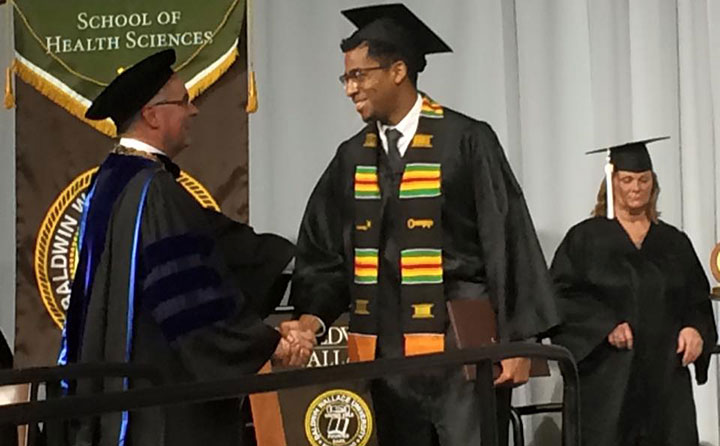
(421,266)
(431,109)
(420,180)
(366,266)
(366,183)
(420,262)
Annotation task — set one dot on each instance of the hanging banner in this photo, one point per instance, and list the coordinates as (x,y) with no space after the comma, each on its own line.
(69,51)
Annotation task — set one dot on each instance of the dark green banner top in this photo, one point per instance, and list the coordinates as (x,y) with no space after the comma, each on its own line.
(70,50)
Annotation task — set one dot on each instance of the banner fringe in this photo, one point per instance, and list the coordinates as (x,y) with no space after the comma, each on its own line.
(77,109)
(63,99)
(9,101)
(212,77)
(252,104)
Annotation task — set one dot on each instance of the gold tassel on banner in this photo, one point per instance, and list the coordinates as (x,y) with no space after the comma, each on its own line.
(9,101)
(252,103)
(9,96)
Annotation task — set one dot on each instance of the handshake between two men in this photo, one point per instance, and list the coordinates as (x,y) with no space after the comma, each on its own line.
(298,340)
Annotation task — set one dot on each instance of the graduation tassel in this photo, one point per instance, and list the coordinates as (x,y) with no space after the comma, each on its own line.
(609,189)
(252,103)
(9,96)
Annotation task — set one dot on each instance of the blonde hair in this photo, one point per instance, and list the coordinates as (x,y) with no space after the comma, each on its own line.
(651,211)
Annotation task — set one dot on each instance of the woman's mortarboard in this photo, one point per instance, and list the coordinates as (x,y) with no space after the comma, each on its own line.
(133,88)
(632,157)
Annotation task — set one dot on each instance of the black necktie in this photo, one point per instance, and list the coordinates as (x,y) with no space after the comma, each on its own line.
(393,136)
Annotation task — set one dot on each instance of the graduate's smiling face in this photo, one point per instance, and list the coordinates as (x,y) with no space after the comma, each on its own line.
(632,190)
(370,84)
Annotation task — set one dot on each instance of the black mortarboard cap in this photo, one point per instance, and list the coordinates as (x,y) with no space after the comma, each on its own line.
(395,24)
(133,88)
(631,156)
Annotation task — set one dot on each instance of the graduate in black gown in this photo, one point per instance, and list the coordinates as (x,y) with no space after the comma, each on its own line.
(635,305)
(162,281)
(418,208)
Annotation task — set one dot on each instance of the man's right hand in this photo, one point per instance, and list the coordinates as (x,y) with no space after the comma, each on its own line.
(304,328)
(290,354)
(621,337)
(300,335)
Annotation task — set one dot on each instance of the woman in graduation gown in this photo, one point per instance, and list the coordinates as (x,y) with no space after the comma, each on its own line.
(636,312)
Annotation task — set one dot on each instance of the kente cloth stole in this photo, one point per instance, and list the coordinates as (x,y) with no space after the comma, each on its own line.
(419,241)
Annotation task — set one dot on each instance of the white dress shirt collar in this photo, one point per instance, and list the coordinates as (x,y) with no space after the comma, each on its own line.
(132,143)
(407,126)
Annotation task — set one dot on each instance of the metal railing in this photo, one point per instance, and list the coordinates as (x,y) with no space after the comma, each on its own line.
(516,413)
(90,405)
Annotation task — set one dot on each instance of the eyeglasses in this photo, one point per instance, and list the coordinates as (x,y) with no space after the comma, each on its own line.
(358,75)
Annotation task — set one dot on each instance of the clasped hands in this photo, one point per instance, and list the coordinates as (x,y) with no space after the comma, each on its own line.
(297,342)
(689,343)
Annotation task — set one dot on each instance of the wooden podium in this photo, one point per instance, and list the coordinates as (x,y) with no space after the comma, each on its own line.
(339,414)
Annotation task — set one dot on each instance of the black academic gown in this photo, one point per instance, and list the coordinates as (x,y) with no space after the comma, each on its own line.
(643,394)
(490,251)
(200,284)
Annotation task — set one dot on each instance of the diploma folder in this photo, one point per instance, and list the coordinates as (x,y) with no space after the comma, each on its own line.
(474,325)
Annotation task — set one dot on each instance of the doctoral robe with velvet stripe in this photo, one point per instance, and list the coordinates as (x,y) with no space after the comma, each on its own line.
(643,394)
(201,284)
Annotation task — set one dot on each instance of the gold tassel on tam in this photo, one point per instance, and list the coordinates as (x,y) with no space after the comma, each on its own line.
(9,96)
(252,103)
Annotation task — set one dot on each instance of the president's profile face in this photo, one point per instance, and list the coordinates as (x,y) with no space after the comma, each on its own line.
(369,85)
(176,113)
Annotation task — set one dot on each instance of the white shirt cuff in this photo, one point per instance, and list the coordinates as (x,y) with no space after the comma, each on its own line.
(323,328)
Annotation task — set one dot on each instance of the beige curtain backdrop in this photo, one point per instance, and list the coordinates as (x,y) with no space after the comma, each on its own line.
(7,188)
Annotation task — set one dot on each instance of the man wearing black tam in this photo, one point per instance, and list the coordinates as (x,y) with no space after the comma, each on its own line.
(162,281)
(636,311)
(417,209)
